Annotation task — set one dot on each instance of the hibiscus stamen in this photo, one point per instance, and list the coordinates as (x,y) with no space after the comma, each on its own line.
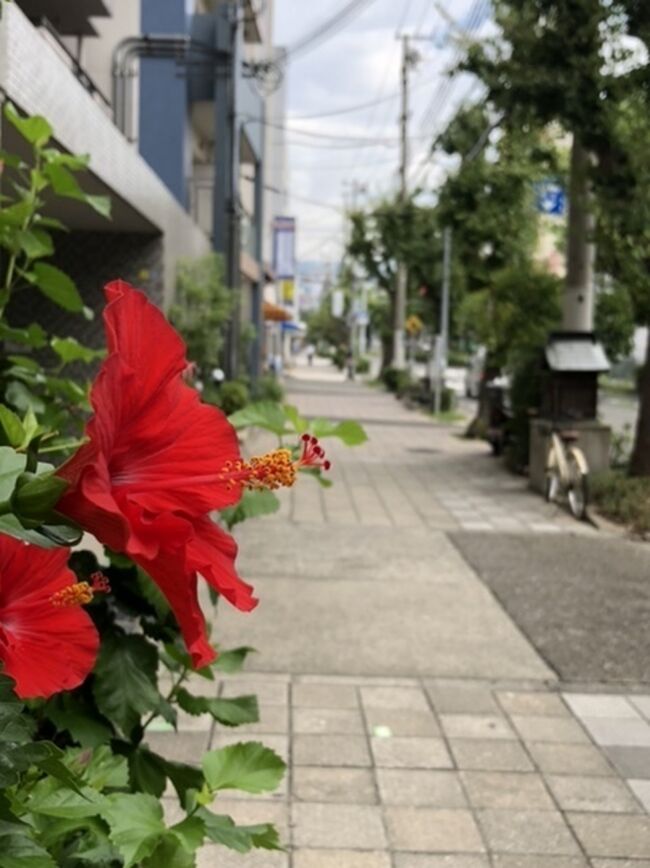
(276,469)
(81,593)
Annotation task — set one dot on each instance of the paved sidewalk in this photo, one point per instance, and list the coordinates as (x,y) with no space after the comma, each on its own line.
(421,727)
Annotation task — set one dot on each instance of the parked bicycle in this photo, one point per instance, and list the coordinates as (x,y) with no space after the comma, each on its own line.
(567,473)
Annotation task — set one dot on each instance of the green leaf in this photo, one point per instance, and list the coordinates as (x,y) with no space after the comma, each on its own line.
(190,832)
(300,425)
(222,830)
(12,160)
(152,594)
(230,712)
(11,466)
(125,680)
(99,768)
(247,766)
(32,336)
(232,660)
(351,433)
(136,824)
(76,162)
(70,350)
(65,184)
(183,777)
(35,129)
(147,772)
(57,286)
(35,243)
(171,853)
(12,427)
(20,850)
(252,505)
(50,799)
(263,414)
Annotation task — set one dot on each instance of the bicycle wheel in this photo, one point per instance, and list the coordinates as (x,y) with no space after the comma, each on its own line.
(553,482)
(578,491)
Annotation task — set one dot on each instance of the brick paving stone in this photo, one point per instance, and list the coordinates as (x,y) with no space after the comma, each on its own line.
(642,704)
(187,747)
(529,703)
(438,860)
(331,784)
(507,790)
(620,732)
(402,722)
(411,752)
(267,692)
(324,696)
(459,697)
(340,827)
(550,729)
(394,698)
(429,830)
(420,787)
(575,793)
(488,726)
(641,790)
(273,719)
(330,750)
(529,832)
(327,721)
(570,759)
(340,859)
(620,863)
(220,857)
(510,860)
(490,755)
(623,836)
(630,762)
(597,705)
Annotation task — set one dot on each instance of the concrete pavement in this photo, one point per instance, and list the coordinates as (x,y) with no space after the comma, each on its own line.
(423,729)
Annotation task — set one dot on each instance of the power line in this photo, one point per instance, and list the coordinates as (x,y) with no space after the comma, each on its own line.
(327,28)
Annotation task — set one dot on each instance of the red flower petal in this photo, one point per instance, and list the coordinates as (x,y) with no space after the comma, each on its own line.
(43,648)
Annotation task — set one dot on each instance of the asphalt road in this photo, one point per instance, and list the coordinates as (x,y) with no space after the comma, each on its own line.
(583,602)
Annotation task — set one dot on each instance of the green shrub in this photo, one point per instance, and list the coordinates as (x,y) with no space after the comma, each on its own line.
(458,359)
(339,357)
(268,388)
(623,499)
(232,396)
(363,365)
(396,381)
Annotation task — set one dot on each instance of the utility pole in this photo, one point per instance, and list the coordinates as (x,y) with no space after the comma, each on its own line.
(578,301)
(442,339)
(409,59)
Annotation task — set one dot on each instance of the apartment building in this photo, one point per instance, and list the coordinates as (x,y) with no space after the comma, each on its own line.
(162,95)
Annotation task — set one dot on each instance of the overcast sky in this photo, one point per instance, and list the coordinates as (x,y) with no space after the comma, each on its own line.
(361,63)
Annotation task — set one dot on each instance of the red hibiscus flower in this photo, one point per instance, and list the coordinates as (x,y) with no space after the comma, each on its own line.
(158,462)
(47,642)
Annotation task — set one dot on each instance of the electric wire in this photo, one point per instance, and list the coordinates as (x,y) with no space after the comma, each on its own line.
(326,29)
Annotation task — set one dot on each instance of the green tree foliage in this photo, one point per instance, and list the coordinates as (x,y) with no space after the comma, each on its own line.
(614,321)
(202,309)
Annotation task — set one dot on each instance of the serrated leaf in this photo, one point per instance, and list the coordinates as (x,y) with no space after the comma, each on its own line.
(171,853)
(19,850)
(230,712)
(223,830)
(247,766)
(99,768)
(35,130)
(70,350)
(233,659)
(49,799)
(57,286)
(252,505)
(147,772)
(263,414)
(136,825)
(300,425)
(125,680)
(351,433)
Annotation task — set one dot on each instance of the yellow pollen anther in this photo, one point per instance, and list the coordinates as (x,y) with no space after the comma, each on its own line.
(79,594)
(271,471)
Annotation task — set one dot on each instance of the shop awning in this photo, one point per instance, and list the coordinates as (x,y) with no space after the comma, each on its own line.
(275,313)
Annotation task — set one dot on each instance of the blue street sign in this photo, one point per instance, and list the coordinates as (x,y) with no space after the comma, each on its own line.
(550,198)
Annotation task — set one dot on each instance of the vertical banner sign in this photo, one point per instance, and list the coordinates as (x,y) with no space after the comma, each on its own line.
(284,255)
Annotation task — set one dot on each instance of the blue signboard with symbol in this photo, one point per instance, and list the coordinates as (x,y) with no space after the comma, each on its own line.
(550,198)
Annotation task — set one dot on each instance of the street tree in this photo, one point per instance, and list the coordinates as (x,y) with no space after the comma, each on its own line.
(572,62)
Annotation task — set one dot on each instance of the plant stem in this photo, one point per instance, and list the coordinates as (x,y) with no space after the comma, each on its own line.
(181,678)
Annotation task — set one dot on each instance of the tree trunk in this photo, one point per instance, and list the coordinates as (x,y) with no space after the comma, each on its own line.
(640,461)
